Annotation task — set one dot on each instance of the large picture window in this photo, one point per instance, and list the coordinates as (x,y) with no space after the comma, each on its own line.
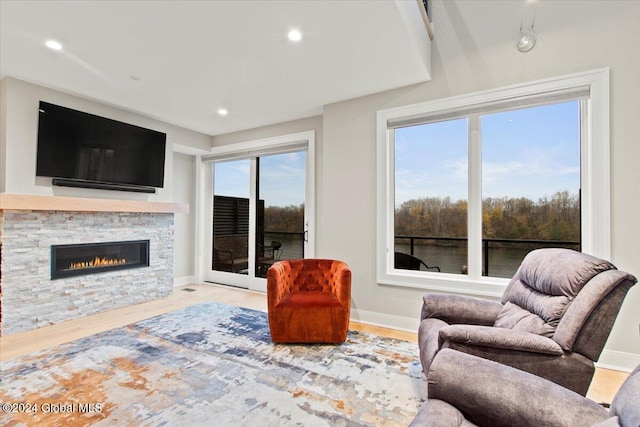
(469,185)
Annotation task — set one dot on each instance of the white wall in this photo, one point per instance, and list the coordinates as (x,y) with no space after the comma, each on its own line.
(184,191)
(349,180)
(18,143)
(295,126)
(346,169)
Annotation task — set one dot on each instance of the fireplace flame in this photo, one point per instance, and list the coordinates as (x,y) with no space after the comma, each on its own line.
(97,262)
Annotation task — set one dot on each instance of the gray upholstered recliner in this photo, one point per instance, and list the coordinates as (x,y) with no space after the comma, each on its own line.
(553,320)
(466,390)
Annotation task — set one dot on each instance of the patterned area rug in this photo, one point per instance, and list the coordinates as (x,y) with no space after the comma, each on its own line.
(213,364)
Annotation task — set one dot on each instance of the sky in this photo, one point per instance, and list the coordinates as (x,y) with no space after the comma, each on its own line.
(282,179)
(532,152)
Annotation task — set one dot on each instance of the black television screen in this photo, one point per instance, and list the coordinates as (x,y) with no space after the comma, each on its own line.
(81,146)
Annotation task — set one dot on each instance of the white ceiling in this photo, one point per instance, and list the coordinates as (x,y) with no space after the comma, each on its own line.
(180,61)
(189,58)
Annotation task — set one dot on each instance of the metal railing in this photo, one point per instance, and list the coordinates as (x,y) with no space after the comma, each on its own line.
(292,243)
(487,242)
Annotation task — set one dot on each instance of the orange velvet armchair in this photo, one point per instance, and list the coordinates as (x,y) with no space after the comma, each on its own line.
(309,301)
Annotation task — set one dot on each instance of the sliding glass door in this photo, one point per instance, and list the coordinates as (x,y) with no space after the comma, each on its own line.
(280,213)
(231,195)
(258,216)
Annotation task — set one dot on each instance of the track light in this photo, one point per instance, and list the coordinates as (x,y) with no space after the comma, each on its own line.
(527,39)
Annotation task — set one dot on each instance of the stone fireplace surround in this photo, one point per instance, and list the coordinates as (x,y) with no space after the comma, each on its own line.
(30,225)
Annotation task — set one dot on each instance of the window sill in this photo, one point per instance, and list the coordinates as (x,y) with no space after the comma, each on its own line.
(449,283)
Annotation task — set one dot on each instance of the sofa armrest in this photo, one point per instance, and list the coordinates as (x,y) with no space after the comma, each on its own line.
(488,393)
(342,285)
(507,339)
(278,283)
(460,309)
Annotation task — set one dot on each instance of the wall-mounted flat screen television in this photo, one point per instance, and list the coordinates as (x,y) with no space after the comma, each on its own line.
(84,150)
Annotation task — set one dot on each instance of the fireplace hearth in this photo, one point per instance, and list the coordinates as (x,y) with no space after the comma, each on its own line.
(91,258)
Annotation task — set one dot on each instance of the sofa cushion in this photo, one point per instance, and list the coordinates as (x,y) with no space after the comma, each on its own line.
(514,317)
(309,299)
(560,271)
(544,286)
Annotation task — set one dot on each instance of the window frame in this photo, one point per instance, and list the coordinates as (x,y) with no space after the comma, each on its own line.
(595,175)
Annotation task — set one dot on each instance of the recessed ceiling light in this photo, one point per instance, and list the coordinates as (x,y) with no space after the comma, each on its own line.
(222,112)
(53,45)
(295,35)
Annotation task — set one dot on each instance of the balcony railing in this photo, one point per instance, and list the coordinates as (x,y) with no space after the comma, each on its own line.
(515,249)
(504,255)
(292,243)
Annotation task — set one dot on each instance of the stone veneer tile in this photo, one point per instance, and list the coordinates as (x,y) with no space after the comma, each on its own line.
(30,299)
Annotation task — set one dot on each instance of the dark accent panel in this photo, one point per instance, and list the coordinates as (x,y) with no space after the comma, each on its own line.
(79,183)
(116,256)
(230,216)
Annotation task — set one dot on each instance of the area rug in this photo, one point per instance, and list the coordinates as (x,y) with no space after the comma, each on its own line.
(212,365)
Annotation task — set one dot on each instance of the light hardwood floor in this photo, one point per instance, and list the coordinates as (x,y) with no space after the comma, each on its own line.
(606,382)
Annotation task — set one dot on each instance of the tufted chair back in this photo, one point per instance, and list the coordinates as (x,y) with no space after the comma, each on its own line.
(556,292)
(314,274)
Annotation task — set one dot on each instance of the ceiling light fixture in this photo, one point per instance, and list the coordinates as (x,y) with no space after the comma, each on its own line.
(294,35)
(527,40)
(222,112)
(53,45)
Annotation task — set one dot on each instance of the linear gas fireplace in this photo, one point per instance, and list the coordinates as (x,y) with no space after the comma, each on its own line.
(90,258)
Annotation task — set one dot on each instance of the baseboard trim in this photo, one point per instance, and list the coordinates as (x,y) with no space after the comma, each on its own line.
(618,360)
(183,280)
(400,323)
